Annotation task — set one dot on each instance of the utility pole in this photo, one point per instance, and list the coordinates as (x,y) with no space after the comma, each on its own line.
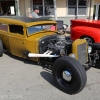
(17,7)
(55,9)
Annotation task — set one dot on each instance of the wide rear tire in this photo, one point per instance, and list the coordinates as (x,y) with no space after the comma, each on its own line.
(69,75)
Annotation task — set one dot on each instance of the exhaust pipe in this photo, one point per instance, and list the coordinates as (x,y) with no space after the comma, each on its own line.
(41,55)
(45,54)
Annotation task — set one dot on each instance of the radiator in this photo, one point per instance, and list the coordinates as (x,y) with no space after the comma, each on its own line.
(80,49)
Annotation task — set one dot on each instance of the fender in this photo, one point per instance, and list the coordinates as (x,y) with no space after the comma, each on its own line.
(79,31)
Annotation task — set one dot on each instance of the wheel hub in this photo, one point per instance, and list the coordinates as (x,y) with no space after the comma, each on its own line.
(67,75)
(88,40)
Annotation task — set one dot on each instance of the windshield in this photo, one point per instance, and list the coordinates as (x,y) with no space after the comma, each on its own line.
(34,29)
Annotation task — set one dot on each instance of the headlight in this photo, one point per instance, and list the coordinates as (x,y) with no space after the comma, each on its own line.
(89,49)
(72,55)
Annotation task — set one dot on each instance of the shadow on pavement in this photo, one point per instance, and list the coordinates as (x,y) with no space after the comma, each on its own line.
(46,74)
(48,77)
(26,61)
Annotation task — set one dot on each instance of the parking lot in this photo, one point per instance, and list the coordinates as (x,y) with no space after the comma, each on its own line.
(25,80)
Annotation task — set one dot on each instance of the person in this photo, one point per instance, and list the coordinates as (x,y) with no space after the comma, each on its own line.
(35,12)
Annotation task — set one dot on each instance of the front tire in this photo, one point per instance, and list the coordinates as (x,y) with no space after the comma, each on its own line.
(69,75)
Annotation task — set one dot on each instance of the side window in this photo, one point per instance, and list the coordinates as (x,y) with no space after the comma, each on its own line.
(16,29)
(3,27)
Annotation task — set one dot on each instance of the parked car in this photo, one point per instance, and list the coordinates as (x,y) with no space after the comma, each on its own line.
(86,29)
(40,41)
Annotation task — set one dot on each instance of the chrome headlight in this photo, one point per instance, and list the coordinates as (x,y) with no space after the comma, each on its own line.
(89,49)
(72,55)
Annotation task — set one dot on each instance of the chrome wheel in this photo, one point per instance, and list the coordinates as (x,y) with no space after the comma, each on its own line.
(66,75)
(89,40)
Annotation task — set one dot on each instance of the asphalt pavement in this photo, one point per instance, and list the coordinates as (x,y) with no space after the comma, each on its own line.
(22,79)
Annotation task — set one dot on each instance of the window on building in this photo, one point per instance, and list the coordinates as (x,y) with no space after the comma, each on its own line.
(77,7)
(7,7)
(46,7)
(3,27)
(16,29)
(49,7)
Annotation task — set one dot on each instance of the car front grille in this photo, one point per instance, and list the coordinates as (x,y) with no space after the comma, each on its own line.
(82,53)
(79,48)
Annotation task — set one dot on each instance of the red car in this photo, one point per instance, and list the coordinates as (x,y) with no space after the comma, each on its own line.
(86,29)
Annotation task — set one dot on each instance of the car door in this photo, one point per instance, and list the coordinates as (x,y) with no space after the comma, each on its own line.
(4,34)
(17,40)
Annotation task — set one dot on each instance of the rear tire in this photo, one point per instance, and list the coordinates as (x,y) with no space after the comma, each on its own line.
(1,48)
(69,75)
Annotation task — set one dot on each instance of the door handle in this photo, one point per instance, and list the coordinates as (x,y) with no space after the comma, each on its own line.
(23,42)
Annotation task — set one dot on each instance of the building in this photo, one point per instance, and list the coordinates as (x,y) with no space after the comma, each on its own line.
(9,7)
(55,9)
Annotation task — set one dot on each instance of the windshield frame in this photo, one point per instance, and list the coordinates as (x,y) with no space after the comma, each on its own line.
(42,29)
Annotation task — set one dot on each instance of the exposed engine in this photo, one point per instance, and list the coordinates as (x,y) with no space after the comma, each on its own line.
(58,45)
(52,47)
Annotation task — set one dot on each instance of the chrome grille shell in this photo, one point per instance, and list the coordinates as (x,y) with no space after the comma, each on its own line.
(82,53)
(80,49)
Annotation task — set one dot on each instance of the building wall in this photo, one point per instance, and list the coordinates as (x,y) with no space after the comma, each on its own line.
(25,10)
(62,12)
(28,7)
(22,7)
(25,7)
(96,1)
(61,8)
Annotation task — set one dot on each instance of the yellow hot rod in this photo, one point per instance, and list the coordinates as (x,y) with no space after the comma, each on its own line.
(40,40)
